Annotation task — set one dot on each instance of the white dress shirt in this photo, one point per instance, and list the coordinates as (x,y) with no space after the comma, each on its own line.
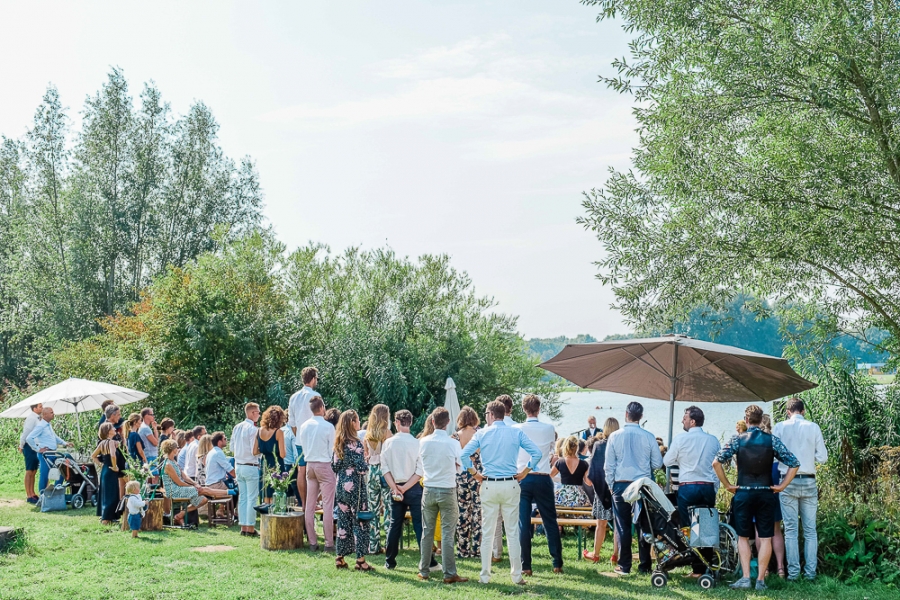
(316,437)
(509,421)
(440,456)
(542,434)
(299,411)
(190,459)
(242,437)
(400,457)
(693,452)
(804,439)
(31,420)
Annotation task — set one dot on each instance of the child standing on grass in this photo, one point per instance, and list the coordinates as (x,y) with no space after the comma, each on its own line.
(136,506)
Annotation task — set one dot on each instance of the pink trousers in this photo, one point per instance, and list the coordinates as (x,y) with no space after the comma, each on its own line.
(320,478)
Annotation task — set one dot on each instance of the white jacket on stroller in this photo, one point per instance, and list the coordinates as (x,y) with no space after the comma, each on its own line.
(633,493)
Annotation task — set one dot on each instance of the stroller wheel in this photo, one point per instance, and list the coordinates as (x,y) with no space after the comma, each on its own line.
(77,501)
(659,579)
(707,582)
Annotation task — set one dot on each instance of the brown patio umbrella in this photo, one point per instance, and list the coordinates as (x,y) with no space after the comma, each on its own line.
(677,367)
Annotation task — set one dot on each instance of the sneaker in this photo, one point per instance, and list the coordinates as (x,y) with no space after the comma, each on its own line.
(761,585)
(741,584)
(808,578)
(389,567)
(32,500)
(620,571)
(435,567)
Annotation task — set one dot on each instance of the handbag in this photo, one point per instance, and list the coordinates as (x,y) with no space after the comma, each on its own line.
(53,498)
(363,515)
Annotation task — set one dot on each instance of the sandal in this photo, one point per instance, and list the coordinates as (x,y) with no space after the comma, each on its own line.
(614,559)
(339,563)
(363,566)
(595,558)
(782,573)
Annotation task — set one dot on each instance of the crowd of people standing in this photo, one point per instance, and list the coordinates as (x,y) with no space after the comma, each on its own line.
(462,482)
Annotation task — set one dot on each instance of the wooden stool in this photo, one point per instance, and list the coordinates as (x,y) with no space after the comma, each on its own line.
(227,518)
(281,532)
(179,505)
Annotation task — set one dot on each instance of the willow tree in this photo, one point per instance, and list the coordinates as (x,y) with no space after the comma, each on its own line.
(768,162)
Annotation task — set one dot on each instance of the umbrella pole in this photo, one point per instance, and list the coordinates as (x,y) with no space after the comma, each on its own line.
(674,380)
(78,424)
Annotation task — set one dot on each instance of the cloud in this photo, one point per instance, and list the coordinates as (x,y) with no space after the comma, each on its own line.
(501,102)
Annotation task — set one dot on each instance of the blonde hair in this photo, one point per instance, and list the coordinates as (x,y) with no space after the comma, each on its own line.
(742,425)
(132,487)
(429,426)
(130,424)
(609,426)
(167,446)
(379,427)
(345,432)
(204,446)
(570,446)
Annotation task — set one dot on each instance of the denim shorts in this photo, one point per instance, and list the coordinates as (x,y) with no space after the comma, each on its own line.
(32,462)
(301,460)
(134,522)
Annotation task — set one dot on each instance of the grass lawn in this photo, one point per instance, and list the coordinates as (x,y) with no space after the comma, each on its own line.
(69,555)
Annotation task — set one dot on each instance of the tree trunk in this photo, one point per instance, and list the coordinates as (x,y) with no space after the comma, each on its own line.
(281,532)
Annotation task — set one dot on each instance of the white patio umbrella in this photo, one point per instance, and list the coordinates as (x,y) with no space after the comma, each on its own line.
(74,396)
(451,401)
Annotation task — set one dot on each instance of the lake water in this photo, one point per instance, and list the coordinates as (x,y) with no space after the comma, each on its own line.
(720,416)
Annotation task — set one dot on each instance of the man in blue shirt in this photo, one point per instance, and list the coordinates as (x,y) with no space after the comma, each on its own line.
(631,453)
(499,445)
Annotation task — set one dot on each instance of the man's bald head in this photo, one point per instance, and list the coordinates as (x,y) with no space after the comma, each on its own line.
(47,414)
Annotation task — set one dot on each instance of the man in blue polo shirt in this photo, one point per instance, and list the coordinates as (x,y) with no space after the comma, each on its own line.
(499,445)
(32,462)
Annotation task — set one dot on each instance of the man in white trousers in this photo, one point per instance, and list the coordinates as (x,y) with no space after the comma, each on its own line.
(499,445)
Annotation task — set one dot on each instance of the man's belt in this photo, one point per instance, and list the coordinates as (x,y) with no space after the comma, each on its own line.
(695,483)
(804,476)
(538,473)
(500,478)
(248,464)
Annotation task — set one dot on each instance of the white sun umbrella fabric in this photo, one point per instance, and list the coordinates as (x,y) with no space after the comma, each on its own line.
(451,402)
(74,396)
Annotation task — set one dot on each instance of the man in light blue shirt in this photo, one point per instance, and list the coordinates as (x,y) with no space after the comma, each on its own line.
(218,466)
(44,441)
(290,457)
(631,453)
(693,453)
(499,445)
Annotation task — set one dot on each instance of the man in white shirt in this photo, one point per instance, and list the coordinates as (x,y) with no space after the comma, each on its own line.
(591,430)
(693,453)
(537,487)
(440,456)
(298,414)
(246,466)
(190,460)
(32,462)
(316,437)
(800,499)
(402,470)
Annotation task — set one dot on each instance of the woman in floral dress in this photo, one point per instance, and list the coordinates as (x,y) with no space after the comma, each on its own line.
(572,475)
(377,431)
(468,528)
(349,463)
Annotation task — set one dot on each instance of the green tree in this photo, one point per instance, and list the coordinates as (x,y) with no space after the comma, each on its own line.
(768,162)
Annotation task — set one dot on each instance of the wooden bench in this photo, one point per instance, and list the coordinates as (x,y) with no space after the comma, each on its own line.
(212,508)
(579,524)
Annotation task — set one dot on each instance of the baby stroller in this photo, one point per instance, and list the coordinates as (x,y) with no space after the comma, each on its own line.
(79,480)
(673,548)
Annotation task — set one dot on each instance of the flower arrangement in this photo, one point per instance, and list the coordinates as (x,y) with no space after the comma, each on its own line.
(136,470)
(278,480)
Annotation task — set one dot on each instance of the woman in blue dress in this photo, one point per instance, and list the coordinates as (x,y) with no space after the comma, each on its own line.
(110,462)
(270,442)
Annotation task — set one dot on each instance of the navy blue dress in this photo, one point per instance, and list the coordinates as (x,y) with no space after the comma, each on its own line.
(134,438)
(273,460)
(109,486)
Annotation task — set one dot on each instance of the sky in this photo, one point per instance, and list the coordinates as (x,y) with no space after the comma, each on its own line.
(462,128)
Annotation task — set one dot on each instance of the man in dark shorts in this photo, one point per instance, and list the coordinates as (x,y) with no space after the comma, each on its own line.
(31,458)
(754,500)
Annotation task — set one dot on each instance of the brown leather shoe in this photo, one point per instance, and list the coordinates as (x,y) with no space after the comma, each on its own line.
(494,559)
(521,582)
(455,579)
(421,577)
(528,572)
(557,570)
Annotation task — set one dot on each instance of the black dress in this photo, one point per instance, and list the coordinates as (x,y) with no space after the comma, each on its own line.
(269,450)
(109,486)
